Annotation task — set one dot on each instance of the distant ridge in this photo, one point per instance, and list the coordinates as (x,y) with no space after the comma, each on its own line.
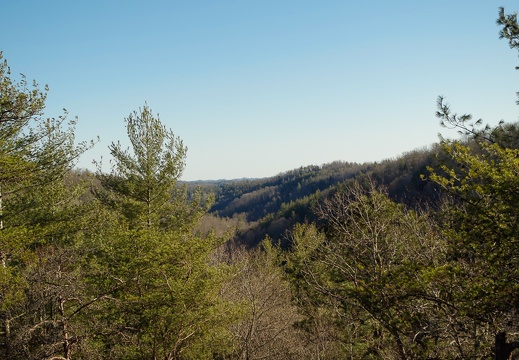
(271,206)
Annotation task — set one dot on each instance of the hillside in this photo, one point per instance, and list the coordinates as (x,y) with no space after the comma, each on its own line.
(271,206)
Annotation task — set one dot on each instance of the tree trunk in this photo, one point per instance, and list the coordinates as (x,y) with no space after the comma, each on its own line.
(7,335)
(503,349)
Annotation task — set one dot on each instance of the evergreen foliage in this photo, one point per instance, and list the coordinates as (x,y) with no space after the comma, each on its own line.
(41,222)
(163,289)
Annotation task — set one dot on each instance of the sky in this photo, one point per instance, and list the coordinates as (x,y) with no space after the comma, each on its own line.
(255,88)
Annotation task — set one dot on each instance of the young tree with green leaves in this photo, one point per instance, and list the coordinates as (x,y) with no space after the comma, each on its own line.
(165,299)
(142,183)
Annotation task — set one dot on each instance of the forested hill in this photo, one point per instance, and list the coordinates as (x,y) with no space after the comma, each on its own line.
(271,206)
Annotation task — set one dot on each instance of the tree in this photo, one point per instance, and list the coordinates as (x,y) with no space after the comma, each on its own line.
(326,335)
(371,266)
(36,155)
(509,30)
(164,290)
(142,182)
(265,327)
(481,223)
(19,107)
(482,229)
(33,149)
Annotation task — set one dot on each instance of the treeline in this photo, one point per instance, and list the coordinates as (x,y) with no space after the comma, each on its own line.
(414,258)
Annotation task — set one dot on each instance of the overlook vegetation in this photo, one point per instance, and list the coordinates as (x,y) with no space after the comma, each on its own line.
(409,258)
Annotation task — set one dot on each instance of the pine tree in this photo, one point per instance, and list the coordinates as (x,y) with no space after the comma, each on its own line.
(36,154)
(166,303)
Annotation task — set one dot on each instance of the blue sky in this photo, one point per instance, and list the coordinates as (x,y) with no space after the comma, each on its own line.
(255,88)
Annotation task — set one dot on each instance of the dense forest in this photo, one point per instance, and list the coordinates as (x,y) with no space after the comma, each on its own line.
(409,258)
